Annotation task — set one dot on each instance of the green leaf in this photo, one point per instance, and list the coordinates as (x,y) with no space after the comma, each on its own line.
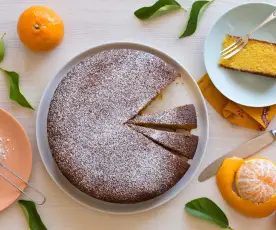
(206,209)
(197,10)
(15,94)
(158,8)
(2,47)
(34,220)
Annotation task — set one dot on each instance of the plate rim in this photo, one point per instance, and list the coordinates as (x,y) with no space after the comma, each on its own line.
(205,49)
(41,110)
(31,157)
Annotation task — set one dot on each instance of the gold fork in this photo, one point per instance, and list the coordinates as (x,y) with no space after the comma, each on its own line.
(237,46)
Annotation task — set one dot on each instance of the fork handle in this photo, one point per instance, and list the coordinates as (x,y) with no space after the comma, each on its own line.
(269,19)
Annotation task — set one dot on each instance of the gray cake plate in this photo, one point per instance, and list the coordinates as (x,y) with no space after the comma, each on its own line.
(177,94)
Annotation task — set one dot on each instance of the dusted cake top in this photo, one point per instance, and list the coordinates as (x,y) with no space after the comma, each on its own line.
(183,143)
(183,117)
(92,147)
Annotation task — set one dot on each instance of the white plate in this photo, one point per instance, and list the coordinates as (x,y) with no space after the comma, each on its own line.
(243,88)
(174,95)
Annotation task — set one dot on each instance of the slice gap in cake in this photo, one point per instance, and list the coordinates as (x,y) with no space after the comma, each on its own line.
(182,144)
(182,117)
(257,57)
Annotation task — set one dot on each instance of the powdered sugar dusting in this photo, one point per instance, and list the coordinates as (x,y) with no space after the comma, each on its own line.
(183,143)
(126,166)
(4,149)
(182,115)
(89,142)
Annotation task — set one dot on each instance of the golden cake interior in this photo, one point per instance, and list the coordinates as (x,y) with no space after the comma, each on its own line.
(257,57)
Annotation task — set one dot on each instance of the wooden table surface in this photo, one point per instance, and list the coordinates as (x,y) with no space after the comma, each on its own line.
(89,23)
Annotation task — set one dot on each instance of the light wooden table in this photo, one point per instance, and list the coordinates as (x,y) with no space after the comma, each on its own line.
(89,23)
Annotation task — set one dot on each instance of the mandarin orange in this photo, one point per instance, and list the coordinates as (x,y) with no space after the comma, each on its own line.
(40,28)
(256,180)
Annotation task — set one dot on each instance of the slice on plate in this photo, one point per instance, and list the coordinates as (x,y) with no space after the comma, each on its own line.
(182,117)
(183,143)
(257,57)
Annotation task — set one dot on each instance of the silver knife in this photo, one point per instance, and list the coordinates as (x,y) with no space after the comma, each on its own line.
(243,151)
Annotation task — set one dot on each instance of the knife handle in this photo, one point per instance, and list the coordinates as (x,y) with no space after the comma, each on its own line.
(253,146)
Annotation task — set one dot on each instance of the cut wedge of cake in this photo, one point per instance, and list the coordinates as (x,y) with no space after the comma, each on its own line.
(183,143)
(257,57)
(182,117)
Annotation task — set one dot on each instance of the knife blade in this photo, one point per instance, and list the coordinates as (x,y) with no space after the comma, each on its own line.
(243,151)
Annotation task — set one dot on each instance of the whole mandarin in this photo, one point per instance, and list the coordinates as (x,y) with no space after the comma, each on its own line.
(40,28)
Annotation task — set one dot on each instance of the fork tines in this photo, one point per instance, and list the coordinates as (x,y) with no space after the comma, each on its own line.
(233,49)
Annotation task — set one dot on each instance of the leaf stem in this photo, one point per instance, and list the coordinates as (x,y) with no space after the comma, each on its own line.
(3,35)
(230,228)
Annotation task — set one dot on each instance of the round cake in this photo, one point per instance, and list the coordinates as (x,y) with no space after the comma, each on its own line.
(89,140)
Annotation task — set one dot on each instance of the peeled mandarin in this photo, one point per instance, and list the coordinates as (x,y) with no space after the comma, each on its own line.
(256,180)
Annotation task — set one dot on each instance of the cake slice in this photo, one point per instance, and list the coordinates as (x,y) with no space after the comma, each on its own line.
(182,117)
(257,57)
(183,143)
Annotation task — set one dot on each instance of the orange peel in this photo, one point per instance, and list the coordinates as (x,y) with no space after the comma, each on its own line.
(226,176)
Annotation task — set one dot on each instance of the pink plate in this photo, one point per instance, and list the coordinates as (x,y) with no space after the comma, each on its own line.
(16,154)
